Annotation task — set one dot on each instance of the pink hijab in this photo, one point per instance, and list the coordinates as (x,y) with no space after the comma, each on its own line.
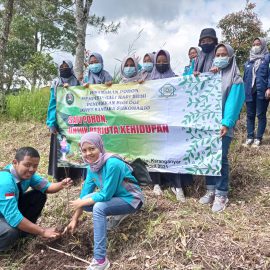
(95,139)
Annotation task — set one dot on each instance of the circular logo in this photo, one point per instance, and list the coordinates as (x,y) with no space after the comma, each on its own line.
(69,98)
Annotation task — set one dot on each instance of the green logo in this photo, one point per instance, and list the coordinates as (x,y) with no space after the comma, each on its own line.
(69,98)
(167,90)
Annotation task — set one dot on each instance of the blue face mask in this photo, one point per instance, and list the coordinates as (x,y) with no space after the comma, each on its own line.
(95,68)
(148,66)
(129,71)
(221,62)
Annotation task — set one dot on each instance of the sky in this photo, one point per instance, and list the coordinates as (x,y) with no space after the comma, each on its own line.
(173,25)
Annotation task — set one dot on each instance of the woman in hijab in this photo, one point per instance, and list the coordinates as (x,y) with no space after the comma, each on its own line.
(66,78)
(162,66)
(208,41)
(233,97)
(130,70)
(147,67)
(193,54)
(118,193)
(96,74)
(257,87)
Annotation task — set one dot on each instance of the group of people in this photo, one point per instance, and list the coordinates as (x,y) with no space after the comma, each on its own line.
(118,193)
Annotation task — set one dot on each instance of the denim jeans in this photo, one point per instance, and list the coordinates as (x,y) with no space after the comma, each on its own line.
(256,107)
(115,206)
(221,183)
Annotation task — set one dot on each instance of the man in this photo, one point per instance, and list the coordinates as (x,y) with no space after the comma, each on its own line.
(19,208)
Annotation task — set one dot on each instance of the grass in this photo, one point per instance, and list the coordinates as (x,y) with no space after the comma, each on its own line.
(165,234)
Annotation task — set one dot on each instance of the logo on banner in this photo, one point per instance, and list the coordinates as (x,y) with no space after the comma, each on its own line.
(69,98)
(167,90)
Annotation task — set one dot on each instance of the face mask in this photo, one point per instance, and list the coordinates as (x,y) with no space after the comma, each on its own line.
(221,62)
(256,49)
(148,66)
(129,71)
(161,68)
(65,73)
(95,68)
(207,48)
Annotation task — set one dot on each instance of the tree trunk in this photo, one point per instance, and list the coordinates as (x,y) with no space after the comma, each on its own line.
(81,15)
(7,19)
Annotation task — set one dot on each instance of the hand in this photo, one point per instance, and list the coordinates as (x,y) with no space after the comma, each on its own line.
(223,131)
(67,183)
(70,227)
(86,85)
(267,93)
(196,73)
(65,85)
(108,83)
(140,81)
(77,204)
(50,233)
(214,69)
(53,130)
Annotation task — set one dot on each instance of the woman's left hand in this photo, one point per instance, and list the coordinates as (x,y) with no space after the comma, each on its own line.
(108,83)
(223,131)
(214,69)
(65,85)
(77,204)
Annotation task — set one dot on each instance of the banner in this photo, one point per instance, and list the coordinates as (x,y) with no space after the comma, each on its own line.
(173,124)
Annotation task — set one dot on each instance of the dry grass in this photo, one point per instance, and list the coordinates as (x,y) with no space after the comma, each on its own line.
(165,234)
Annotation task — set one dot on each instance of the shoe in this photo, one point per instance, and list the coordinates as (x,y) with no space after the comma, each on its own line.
(94,265)
(220,203)
(208,197)
(157,190)
(179,193)
(114,221)
(256,143)
(248,142)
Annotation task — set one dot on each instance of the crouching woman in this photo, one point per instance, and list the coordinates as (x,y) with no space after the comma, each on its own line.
(118,193)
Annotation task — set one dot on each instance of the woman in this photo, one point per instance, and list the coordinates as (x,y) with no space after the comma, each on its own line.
(130,70)
(147,67)
(96,74)
(233,97)
(193,54)
(66,78)
(257,88)
(119,193)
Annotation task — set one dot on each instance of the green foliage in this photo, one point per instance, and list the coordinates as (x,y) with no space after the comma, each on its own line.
(28,105)
(240,29)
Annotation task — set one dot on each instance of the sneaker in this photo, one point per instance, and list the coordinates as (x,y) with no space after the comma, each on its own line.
(157,190)
(208,197)
(114,221)
(248,142)
(256,143)
(179,193)
(94,265)
(220,203)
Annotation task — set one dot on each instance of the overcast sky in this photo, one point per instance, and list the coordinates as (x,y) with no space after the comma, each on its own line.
(173,25)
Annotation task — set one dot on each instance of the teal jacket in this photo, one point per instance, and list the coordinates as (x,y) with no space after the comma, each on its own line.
(9,193)
(233,106)
(189,69)
(115,179)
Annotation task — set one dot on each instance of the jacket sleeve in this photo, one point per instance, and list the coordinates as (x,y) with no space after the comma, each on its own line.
(233,105)
(88,185)
(8,202)
(51,114)
(268,71)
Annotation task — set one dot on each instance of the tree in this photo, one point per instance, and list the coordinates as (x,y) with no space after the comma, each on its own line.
(83,19)
(240,28)
(4,34)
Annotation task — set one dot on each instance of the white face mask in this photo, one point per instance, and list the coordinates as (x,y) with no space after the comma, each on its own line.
(256,49)
(221,62)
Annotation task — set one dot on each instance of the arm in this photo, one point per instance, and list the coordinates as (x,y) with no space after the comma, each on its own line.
(51,114)
(233,105)
(74,221)
(55,187)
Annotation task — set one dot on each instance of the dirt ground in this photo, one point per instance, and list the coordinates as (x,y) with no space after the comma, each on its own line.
(165,234)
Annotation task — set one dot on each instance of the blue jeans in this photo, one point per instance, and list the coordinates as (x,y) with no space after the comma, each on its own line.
(256,107)
(221,183)
(115,206)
